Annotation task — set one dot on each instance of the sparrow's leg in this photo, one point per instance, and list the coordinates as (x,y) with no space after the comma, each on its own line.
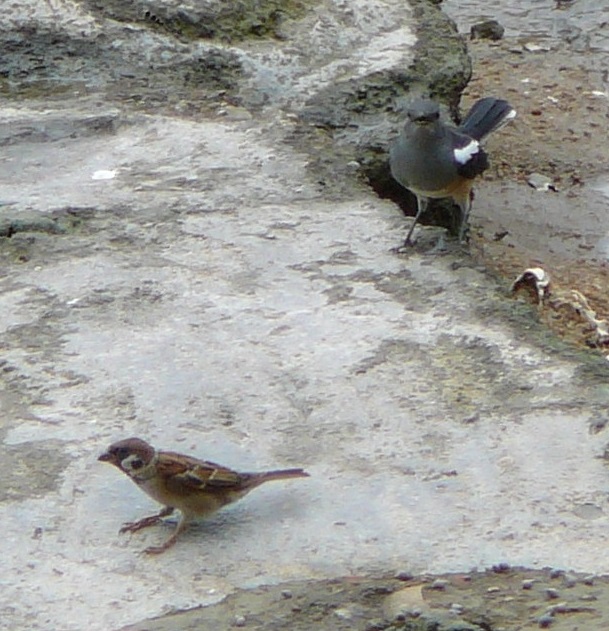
(134,526)
(158,549)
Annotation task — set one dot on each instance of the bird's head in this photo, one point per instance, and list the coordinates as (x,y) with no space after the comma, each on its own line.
(129,455)
(423,112)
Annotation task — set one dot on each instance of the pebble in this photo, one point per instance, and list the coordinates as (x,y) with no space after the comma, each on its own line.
(551,593)
(440,584)
(286,593)
(545,621)
(589,580)
(569,581)
(563,607)
(535,48)
(500,568)
(343,614)
(541,182)
(239,621)
(404,576)
(528,583)
(489,29)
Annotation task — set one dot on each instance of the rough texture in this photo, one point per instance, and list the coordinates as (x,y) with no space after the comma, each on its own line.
(223,20)
(503,598)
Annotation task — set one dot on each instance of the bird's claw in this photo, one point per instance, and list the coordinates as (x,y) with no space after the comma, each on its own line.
(134,526)
(405,248)
(162,547)
(154,550)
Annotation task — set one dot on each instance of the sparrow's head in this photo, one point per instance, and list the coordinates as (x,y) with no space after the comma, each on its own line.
(129,455)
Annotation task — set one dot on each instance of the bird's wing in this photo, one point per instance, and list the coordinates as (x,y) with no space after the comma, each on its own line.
(469,158)
(184,474)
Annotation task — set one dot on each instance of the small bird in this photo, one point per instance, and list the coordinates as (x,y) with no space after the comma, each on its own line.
(434,160)
(195,487)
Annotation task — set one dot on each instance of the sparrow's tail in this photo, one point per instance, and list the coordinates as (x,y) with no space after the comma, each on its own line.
(256,479)
(486,116)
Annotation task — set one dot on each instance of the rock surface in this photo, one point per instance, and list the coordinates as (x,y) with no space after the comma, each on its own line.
(497,599)
(190,254)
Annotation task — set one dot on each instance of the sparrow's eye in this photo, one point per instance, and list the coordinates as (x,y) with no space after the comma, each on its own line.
(132,463)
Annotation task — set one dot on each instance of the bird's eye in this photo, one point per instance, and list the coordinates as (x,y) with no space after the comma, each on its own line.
(132,463)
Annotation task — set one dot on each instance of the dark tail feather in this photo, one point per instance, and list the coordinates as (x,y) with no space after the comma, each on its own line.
(486,116)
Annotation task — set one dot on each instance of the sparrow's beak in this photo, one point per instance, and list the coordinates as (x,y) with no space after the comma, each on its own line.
(105,457)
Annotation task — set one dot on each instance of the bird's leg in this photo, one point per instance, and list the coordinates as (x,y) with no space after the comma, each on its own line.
(421,207)
(134,526)
(465,206)
(159,549)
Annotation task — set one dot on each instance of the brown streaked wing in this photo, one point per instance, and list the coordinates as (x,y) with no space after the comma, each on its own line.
(185,474)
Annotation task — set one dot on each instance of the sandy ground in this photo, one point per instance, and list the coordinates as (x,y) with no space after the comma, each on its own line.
(562,105)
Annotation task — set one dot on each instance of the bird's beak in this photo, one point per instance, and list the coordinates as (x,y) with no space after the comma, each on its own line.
(105,457)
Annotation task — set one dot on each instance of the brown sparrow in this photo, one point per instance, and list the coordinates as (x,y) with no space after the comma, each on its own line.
(195,487)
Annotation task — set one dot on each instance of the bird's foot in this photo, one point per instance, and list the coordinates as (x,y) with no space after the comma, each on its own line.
(405,248)
(153,520)
(160,549)
(134,526)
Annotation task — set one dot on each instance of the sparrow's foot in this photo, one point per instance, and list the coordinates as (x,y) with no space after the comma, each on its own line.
(164,546)
(134,526)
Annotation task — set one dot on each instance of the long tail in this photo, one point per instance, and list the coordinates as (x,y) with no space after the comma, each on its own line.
(486,116)
(255,479)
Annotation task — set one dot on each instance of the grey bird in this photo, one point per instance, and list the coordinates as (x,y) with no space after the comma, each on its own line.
(434,160)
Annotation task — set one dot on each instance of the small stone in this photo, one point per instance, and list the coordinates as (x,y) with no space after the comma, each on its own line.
(545,621)
(569,581)
(376,625)
(489,29)
(501,568)
(531,47)
(343,614)
(541,182)
(404,576)
(493,590)
(556,573)
(588,580)
(528,583)
(239,621)
(551,593)
(440,584)
(588,597)
(456,608)
(286,593)
(559,608)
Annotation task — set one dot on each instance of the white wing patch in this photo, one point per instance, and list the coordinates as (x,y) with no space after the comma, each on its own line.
(464,154)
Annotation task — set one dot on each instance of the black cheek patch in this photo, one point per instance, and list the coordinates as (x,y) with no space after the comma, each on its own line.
(131,464)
